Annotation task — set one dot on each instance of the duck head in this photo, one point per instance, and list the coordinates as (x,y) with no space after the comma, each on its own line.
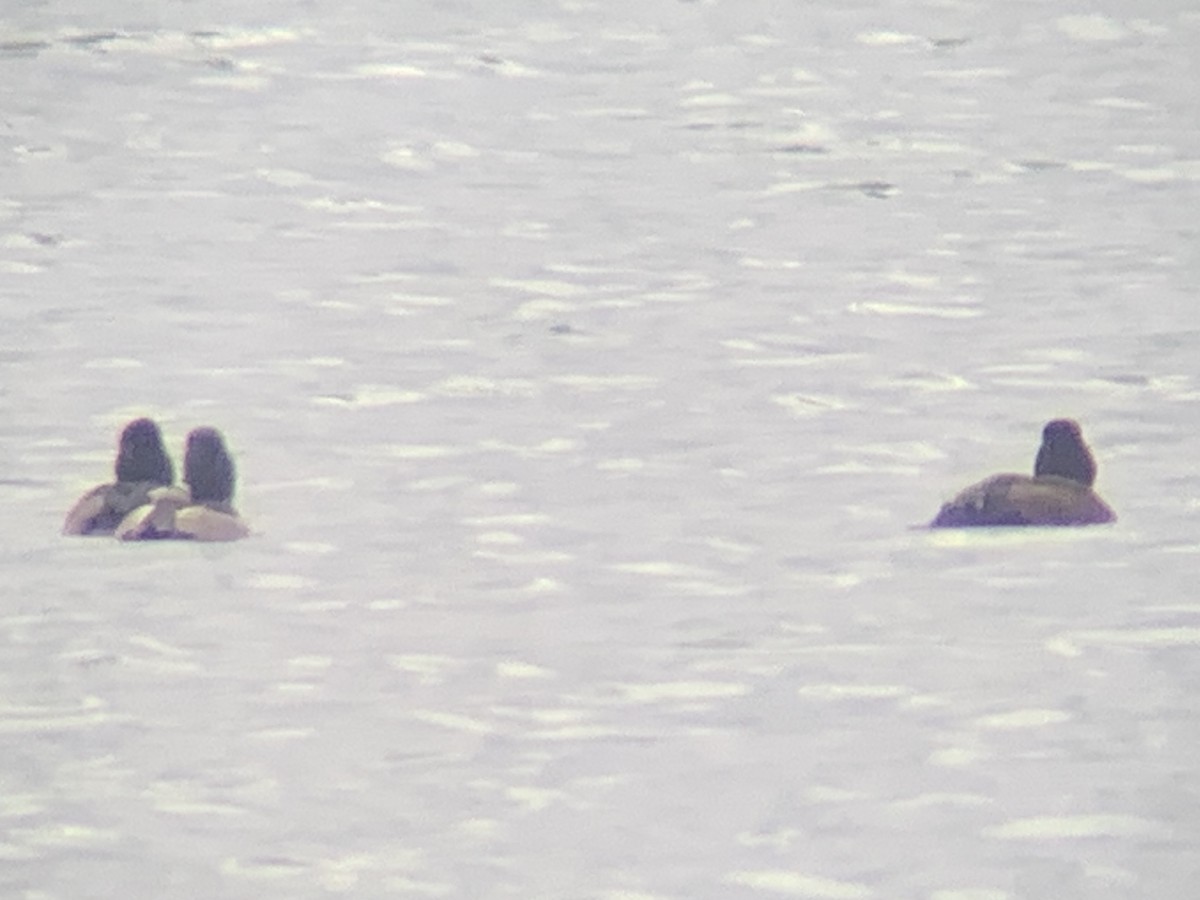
(1064,453)
(141,455)
(207,467)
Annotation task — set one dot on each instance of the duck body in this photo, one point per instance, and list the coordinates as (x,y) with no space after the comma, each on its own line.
(170,515)
(101,510)
(1022,500)
(204,522)
(142,465)
(1059,492)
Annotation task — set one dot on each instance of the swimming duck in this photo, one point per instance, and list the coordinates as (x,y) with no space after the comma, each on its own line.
(1059,493)
(201,512)
(142,465)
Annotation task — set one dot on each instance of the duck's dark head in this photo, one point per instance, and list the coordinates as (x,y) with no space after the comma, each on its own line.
(141,455)
(207,467)
(1063,453)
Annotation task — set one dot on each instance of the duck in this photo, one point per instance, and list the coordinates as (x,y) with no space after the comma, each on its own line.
(203,510)
(1059,493)
(142,465)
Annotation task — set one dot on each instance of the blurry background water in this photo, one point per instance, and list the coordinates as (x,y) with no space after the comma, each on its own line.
(587,366)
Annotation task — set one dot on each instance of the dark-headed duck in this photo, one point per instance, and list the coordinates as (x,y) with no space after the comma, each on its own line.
(1059,493)
(142,465)
(204,510)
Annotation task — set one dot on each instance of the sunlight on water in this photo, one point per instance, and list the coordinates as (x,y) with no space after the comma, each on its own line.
(795,884)
(1054,827)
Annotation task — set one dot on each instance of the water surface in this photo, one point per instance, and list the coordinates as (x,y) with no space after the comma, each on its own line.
(587,367)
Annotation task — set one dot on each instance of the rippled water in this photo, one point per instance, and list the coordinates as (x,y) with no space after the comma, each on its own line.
(587,366)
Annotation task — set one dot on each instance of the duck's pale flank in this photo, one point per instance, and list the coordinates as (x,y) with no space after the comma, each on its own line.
(142,465)
(1059,493)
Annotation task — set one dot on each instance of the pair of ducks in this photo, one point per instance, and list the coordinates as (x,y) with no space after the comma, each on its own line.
(142,504)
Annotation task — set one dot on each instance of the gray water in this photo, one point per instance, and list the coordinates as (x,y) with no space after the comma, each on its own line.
(588,366)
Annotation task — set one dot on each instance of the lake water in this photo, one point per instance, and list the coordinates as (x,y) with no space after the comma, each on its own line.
(588,366)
